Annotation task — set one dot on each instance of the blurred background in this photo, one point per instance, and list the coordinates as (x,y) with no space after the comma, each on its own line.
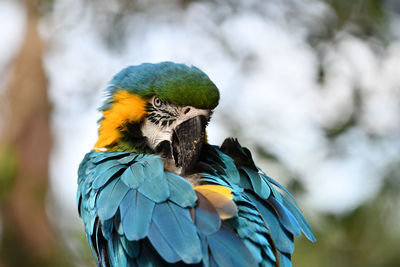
(312,87)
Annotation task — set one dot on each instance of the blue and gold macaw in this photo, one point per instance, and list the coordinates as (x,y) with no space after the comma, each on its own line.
(153,192)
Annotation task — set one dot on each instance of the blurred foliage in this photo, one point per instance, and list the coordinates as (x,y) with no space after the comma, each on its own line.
(368,16)
(8,169)
(82,247)
(45,6)
(362,18)
(334,131)
(365,19)
(16,254)
(369,236)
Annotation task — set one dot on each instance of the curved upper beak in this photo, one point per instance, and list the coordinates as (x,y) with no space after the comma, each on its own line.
(183,141)
(187,141)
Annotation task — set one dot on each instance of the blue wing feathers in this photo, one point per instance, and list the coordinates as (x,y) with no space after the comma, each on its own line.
(110,198)
(254,249)
(131,247)
(136,211)
(107,228)
(282,239)
(104,175)
(228,250)
(286,218)
(161,245)
(133,176)
(282,218)
(269,179)
(284,260)
(206,217)
(106,156)
(116,252)
(248,210)
(244,180)
(177,228)
(118,225)
(85,166)
(204,250)
(148,256)
(182,192)
(305,227)
(137,214)
(155,188)
(259,185)
(127,160)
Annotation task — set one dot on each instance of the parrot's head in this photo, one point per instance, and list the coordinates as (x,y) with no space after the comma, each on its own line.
(159,108)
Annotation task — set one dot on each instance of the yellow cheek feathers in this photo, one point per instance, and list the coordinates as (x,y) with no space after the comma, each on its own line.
(126,107)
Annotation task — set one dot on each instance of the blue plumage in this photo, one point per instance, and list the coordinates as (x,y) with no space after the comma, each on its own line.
(102,175)
(182,192)
(228,250)
(117,254)
(286,218)
(259,186)
(131,247)
(136,211)
(133,176)
(206,217)
(110,198)
(305,227)
(135,200)
(283,239)
(161,245)
(155,188)
(177,228)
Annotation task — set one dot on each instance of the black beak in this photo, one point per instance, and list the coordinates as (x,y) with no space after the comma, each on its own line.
(187,142)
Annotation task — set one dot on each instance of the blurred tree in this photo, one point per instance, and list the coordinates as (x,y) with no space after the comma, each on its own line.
(28,238)
(368,236)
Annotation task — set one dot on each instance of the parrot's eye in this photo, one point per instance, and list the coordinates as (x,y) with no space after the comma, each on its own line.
(157,102)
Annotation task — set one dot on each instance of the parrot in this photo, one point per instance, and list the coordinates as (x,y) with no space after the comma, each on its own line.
(154,192)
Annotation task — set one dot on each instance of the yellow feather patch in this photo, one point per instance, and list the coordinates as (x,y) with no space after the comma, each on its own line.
(216,188)
(126,107)
(220,197)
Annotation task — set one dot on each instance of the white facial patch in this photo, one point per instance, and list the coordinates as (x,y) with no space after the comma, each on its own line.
(159,125)
(156,133)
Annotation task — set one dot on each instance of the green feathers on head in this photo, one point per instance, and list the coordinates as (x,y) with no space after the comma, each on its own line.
(176,83)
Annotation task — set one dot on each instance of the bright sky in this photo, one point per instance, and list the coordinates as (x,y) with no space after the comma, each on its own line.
(266,75)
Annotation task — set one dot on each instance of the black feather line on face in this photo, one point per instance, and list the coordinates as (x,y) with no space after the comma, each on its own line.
(149,107)
(132,136)
(160,115)
(169,113)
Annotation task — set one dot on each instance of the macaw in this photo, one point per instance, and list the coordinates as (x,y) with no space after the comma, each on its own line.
(153,192)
